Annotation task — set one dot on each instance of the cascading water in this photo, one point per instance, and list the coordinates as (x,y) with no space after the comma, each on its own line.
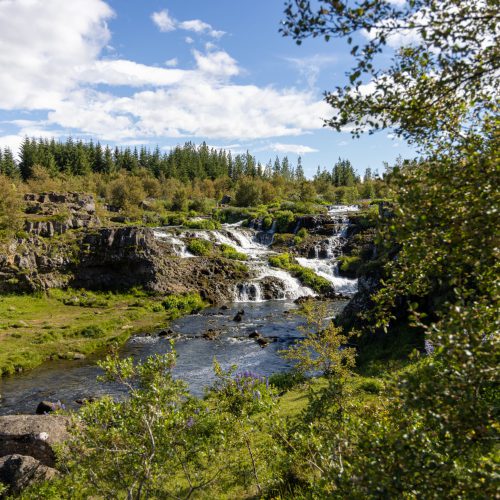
(328,267)
(255,244)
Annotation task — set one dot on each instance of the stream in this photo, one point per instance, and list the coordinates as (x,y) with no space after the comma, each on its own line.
(69,381)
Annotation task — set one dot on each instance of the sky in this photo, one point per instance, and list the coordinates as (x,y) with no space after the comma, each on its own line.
(163,72)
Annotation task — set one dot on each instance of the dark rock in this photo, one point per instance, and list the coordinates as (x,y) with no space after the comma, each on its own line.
(33,435)
(211,334)
(239,316)
(262,341)
(48,407)
(165,333)
(84,401)
(20,471)
(254,335)
(224,308)
(226,199)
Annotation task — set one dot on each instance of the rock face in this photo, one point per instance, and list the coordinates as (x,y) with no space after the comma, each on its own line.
(57,213)
(32,435)
(113,259)
(20,471)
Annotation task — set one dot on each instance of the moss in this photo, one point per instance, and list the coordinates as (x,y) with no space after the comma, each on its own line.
(200,247)
(231,253)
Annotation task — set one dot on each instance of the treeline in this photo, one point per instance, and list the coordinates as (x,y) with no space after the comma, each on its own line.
(189,177)
(185,163)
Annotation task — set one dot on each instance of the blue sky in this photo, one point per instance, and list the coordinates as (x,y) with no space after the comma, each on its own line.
(167,71)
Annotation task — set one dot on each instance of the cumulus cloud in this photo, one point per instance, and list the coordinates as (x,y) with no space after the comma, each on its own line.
(165,23)
(297,149)
(163,20)
(51,62)
(124,72)
(43,43)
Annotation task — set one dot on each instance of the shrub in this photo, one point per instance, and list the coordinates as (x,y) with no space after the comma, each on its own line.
(349,264)
(200,247)
(284,219)
(208,224)
(178,305)
(92,332)
(231,253)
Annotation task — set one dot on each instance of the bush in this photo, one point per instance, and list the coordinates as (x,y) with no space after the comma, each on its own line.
(349,264)
(178,305)
(372,386)
(92,332)
(231,253)
(208,224)
(284,220)
(126,192)
(200,247)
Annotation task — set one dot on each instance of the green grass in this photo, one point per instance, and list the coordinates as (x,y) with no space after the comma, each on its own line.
(200,247)
(231,253)
(61,324)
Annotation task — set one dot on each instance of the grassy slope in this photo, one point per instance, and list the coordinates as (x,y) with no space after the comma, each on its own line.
(35,328)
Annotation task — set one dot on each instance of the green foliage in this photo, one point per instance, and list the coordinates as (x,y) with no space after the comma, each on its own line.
(200,247)
(285,381)
(125,192)
(306,276)
(163,442)
(208,224)
(231,253)
(92,332)
(178,305)
(10,204)
(349,264)
(284,220)
(427,90)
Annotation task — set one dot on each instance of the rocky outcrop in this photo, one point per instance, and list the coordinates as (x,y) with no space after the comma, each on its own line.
(18,472)
(33,435)
(57,213)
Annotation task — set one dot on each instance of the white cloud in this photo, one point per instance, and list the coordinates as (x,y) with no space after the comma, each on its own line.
(198,26)
(189,40)
(51,60)
(310,67)
(42,43)
(172,63)
(123,72)
(219,64)
(297,149)
(163,20)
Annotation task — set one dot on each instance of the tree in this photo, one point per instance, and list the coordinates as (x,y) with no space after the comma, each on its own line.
(441,80)
(299,171)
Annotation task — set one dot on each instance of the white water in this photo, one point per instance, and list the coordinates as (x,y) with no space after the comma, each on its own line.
(256,246)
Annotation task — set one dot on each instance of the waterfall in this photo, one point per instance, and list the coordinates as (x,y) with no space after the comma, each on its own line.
(248,292)
(268,281)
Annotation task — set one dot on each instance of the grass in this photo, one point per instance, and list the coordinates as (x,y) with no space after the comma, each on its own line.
(64,324)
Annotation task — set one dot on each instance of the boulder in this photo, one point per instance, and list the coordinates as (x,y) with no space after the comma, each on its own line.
(239,316)
(211,334)
(254,335)
(33,435)
(20,471)
(48,407)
